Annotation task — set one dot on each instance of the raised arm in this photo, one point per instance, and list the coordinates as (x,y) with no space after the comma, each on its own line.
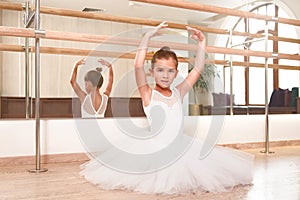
(140,75)
(192,77)
(110,76)
(79,92)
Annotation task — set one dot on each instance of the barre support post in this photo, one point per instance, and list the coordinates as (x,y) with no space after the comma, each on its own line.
(38,168)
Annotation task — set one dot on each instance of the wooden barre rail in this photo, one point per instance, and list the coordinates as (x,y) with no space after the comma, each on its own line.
(83,52)
(219,10)
(83,37)
(131,20)
(76,52)
(56,35)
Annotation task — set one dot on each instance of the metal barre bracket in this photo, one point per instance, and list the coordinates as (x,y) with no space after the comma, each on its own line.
(40,33)
(24,48)
(28,15)
(274,55)
(249,41)
(274,19)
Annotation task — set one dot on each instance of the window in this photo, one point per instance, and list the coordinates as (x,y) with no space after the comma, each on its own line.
(249,83)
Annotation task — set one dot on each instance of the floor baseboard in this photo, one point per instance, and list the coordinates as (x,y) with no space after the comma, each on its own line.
(258,145)
(82,157)
(50,158)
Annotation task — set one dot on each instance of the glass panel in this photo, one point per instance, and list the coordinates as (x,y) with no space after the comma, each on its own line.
(257,85)
(238,84)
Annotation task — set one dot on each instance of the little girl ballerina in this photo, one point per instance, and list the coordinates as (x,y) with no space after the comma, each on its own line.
(220,170)
(93,104)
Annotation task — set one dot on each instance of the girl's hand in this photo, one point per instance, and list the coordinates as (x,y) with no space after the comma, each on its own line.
(154,32)
(197,34)
(104,62)
(80,62)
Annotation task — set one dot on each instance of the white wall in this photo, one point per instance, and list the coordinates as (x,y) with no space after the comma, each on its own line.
(60,136)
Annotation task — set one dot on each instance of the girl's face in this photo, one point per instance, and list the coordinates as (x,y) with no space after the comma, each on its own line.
(164,72)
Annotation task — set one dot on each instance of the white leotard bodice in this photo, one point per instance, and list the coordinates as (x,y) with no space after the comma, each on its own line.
(165,114)
(88,110)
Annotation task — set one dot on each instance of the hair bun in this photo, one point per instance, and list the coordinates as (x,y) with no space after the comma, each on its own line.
(99,69)
(165,48)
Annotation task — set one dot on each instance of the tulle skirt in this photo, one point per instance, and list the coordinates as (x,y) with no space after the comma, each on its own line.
(221,170)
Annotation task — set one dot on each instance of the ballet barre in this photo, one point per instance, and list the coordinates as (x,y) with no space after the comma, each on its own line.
(219,10)
(80,37)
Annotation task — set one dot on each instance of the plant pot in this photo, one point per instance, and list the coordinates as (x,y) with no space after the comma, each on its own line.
(195,109)
(203,98)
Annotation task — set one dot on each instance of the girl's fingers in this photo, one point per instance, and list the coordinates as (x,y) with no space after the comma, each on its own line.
(197,34)
(103,62)
(160,26)
(189,28)
(81,61)
(163,24)
(155,31)
(193,29)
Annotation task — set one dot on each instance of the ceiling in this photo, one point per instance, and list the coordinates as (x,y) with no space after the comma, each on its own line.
(149,11)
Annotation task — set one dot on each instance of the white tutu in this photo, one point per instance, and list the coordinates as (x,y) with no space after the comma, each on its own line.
(221,170)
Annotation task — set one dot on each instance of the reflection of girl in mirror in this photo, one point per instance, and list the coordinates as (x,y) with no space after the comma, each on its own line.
(93,104)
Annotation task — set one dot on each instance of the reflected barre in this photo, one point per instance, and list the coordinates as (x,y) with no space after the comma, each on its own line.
(84,52)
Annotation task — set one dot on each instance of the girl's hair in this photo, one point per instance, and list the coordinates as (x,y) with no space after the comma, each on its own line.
(164,53)
(95,77)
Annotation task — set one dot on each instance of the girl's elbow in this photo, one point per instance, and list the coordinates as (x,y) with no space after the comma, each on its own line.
(72,82)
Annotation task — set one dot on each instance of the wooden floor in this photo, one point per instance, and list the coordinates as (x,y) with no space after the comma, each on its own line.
(277,176)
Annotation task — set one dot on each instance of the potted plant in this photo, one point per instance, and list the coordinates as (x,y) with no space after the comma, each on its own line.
(201,93)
